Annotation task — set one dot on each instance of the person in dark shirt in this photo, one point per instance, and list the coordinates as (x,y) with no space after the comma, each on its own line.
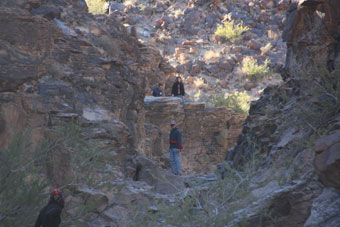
(49,216)
(157,91)
(178,89)
(175,149)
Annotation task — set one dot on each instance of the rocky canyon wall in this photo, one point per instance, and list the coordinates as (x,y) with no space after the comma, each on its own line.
(207,132)
(296,123)
(73,66)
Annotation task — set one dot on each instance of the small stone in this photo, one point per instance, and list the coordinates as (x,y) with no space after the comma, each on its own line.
(254,45)
(189,43)
(249,86)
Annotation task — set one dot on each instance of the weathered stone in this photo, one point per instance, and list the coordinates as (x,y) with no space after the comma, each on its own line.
(249,86)
(48,12)
(207,132)
(254,45)
(97,198)
(325,142)
(325,210)
(24,57)
(327,164)
(162,181)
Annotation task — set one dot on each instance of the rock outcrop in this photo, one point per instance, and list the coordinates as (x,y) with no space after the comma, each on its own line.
(285,122)
(207,132)
(86,70)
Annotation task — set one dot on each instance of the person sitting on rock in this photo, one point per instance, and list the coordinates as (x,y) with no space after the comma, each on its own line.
(175,149)
(178,89)
(49,216)
(157,91)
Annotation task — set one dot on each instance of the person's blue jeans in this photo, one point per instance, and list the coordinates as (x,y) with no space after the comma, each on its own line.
(180,96)
(175,161)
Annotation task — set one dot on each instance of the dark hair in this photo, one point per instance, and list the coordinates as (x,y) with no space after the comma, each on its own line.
(160,84)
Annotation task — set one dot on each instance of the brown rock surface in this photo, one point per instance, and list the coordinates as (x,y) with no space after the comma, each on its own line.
(78,69)
(207,132)
(279,121)
(23,57)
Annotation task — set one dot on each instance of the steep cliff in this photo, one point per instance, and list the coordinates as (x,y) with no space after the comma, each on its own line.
(63,67)
(294,126)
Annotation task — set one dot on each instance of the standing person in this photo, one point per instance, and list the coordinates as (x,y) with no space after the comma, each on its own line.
(175,149)
(49,216)
(157,91)
(178,89)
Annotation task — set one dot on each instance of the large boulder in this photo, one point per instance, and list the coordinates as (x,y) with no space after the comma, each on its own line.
(162,181)
(327,159)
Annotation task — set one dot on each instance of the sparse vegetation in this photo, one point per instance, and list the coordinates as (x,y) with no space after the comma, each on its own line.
(97,6)
(252,69)
(21,187)
(231,31)
(212,204)
(178,13)
(23,183)
(238,101)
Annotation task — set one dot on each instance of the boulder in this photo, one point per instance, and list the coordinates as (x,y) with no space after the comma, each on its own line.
(162,181)
(325,210)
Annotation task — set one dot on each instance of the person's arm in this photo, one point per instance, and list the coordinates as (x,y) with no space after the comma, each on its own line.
(179,140)
(183,89)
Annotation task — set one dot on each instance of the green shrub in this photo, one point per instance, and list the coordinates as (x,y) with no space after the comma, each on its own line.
(21,187)
(252,69)
(97,6)
(230,30)
(238,101)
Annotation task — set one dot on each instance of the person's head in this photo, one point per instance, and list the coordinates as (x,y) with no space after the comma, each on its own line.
(57,196)
(179,79)
(173,124)
(160,86)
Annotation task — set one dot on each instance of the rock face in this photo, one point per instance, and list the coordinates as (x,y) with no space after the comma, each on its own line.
(327,160)
(23,57)
(207,132)
(321,41)
(67,70)
(294,112)
(81,69)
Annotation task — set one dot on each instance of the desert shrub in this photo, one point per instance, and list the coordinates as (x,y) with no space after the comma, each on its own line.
(23,184)
(21,187)
(97,6)
(252,69)
(238,101)
(230,30)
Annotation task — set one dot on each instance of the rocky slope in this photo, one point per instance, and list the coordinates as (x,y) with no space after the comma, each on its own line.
(184,32)
(74,81)
(62,65)
(294,125)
